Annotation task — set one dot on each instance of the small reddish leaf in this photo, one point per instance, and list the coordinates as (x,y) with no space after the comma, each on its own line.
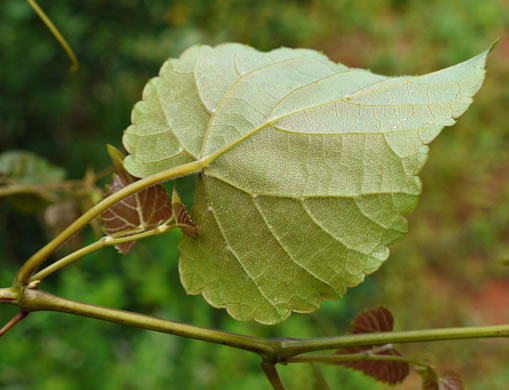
(136,213)
(375,320)
(384,371)
(372,321)
(449,380)
(182,218)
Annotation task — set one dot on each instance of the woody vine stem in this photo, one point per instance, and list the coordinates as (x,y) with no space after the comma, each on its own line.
(28,298)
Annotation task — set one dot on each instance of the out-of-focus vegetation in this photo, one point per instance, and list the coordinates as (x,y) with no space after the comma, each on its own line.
(445,273)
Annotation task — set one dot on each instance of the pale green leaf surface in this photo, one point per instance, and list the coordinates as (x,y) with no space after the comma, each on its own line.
(310,167)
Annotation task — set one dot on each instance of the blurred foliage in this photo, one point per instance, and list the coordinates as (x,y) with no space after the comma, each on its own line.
(445,273)
(22,178)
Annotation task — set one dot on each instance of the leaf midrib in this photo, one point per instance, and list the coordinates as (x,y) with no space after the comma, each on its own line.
(207,160)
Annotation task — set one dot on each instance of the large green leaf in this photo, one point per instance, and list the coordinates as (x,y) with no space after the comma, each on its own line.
(310,167)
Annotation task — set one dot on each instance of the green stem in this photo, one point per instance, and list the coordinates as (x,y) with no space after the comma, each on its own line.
(418,365)
(103,242)
(31,264)
(296,347)
(341,358)
(56,34)
(28,299)
(272,351)
(36,300)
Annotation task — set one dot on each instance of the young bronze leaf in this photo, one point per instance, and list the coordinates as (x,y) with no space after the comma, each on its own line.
(372,321)
(138,212)
(309,167)
(182,218)
(375,320)
(449,380)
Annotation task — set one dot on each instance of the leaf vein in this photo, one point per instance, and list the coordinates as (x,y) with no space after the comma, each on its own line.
(286,250)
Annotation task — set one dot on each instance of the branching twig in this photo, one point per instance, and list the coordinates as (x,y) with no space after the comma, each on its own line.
(101,243)
(36,300)
(31,264)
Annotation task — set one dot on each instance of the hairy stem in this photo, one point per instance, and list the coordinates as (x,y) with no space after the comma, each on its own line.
(31,264)
(103,242)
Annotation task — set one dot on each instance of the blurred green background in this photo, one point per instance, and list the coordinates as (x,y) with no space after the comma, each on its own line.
(445,273)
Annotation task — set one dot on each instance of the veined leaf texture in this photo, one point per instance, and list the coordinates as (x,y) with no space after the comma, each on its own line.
(136,213)
(310,167)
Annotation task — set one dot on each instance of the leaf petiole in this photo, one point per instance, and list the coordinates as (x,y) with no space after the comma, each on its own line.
(31,264)
(340,358)
(101,243)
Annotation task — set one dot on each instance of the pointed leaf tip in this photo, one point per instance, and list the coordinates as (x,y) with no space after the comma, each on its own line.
(493,45)
(117,157)
(181,216)
(175,197)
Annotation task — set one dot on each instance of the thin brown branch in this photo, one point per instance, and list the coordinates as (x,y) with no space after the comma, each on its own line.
(17,318)
(272,375)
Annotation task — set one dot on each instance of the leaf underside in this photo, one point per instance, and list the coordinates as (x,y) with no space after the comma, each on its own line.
(310,167)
